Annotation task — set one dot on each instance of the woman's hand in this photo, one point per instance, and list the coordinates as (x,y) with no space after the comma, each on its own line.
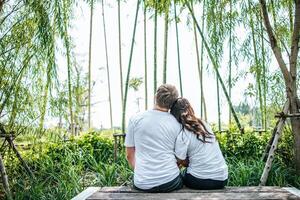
(183,163)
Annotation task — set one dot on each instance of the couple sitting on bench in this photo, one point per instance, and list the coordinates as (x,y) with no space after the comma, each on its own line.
(161,141)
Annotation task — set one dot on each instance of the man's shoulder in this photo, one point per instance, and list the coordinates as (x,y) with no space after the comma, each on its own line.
(138,116)
(152,115)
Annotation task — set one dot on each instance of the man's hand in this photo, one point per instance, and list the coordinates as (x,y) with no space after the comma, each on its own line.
(130,155)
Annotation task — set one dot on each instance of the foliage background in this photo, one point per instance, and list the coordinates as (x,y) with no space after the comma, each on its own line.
(64,169)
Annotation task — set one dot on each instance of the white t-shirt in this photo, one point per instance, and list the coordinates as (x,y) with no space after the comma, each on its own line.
(153,134)
(205,159)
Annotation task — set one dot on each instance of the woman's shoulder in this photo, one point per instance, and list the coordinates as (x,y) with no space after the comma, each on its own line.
(208,127)
(188,134)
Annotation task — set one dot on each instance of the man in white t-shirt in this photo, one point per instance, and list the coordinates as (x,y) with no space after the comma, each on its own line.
(150,142)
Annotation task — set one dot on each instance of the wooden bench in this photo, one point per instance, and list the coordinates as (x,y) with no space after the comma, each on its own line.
(265,192)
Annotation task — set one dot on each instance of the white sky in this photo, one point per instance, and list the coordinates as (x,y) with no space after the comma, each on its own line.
(191,88)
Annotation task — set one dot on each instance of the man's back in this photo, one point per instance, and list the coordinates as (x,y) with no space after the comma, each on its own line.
(153,134)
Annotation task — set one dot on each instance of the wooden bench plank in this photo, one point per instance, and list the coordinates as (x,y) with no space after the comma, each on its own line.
(196,196)
(293,190)
(124,189)
(249,192)
(86,193)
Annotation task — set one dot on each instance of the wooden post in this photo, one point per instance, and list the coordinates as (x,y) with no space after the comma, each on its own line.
(267,149)
(115,147)
(268,165)
(118,141)
(5,179)
(12,145)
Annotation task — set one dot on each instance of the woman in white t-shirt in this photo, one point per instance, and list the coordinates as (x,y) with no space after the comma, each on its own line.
(197,143)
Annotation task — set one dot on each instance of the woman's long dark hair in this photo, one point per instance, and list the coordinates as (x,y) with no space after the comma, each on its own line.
(184,113)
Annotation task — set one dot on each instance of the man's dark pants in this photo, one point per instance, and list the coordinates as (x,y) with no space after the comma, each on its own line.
(175,184)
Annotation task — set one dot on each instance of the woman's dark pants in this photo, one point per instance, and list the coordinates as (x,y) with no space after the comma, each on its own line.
(202,184)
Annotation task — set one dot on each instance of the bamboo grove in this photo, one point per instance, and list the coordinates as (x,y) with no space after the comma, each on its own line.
(33,33)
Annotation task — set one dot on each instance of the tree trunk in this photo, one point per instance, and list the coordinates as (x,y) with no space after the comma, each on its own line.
(120,50)
(155,47)
(178,50)
(290,77)
(90,64)
(1,5)
(166,41)
(145,56)
(107,67)
(129,67)
(296,130)
(291,15)
(294,108)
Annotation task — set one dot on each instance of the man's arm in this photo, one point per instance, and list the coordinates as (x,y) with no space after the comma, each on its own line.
(130,155)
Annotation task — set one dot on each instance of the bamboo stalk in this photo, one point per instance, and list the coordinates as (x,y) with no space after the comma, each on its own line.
(216,57)
(45,100)
(90,63)
(155,48)
(178,50)
(69,84)
(230,59)
(264,74)
(120,51)
(218,105)
(166,42)
(257,65)
(107,67)
(145,56)
(203,105)
(129,67)
(216,68)
(69,65)
(198,62)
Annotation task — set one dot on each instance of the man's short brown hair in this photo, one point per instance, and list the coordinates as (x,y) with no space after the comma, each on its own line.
(166,95)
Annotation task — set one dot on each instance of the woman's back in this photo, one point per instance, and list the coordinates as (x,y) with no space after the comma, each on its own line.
(205,159)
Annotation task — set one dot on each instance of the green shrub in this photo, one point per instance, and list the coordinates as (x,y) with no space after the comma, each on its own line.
(64,169)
